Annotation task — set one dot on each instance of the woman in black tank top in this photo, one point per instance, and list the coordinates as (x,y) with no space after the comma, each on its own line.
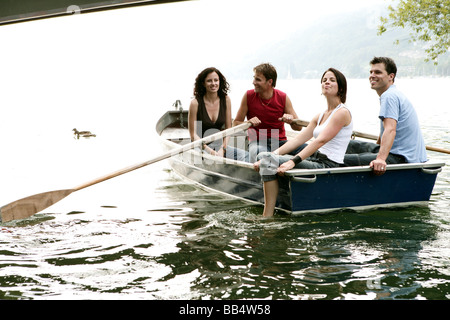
(208,126)
(210,112)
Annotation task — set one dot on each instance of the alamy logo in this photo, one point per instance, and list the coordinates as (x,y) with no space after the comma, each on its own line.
(374,284)
(73,9)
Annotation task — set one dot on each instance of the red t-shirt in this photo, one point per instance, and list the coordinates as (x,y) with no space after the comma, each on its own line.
(268,111)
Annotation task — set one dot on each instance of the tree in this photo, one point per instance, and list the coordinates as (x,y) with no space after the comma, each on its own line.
(429,21)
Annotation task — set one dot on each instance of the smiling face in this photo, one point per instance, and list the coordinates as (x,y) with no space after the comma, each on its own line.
(212,83)
(260,83)
(380,79)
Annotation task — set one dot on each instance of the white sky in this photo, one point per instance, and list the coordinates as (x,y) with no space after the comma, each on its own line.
(135,48)
(261,21)
(128,56)
(207,30)
(244,24)
(89,55)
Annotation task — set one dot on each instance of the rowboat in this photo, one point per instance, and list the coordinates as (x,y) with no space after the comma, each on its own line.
(301,190)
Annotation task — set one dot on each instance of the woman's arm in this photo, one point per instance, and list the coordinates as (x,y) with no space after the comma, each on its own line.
(228,122)
(192,124)
(192,120)
(305,135)
(340,119)
(301,138)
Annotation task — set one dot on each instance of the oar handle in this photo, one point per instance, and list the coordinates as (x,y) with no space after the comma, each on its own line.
(438,149)
(358,134)
(299,122)
(189,146)
(365,135)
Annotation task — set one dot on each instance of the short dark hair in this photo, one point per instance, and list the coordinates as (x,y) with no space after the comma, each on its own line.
(199,87)
(341,81)
(268,71)
(389,64)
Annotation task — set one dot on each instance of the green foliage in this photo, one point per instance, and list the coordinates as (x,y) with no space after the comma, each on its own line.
(429,21)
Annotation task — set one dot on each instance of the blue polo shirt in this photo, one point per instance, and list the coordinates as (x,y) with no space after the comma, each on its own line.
(408,139)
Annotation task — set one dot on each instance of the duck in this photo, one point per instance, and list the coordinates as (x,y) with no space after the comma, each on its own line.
(84,134)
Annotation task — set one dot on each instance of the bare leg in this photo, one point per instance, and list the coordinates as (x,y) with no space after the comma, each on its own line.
(270,197)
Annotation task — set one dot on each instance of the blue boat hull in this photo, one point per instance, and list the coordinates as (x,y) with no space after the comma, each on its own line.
(358,187)
(301,190)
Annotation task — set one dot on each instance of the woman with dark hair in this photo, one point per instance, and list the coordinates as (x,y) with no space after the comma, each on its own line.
(210,112)
(332,130)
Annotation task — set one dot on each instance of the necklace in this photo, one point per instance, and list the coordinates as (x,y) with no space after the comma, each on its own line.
(262,102)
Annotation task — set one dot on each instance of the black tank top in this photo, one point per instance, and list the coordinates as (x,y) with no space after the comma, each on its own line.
(206,123)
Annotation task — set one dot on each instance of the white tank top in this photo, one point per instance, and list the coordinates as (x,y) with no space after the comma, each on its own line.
(336,147)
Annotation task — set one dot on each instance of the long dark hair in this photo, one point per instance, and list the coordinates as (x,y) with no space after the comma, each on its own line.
(199,87)
(341,81)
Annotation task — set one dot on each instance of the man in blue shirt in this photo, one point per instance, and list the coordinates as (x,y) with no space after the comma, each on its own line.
(400,137)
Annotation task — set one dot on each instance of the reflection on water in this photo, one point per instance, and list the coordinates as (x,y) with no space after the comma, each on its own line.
(342,255)
(201,245)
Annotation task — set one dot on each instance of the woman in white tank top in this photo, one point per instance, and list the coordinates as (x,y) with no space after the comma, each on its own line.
(335,148)
(332,130)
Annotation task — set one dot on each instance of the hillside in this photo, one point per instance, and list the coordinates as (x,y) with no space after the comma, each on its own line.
(348,43)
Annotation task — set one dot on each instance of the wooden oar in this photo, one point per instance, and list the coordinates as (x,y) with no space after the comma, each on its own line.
(31,205)
(358,134)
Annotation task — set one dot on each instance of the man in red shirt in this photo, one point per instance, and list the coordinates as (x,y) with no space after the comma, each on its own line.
(267,109)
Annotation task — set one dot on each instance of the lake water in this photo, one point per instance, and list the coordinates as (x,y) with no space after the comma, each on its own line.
(150,235)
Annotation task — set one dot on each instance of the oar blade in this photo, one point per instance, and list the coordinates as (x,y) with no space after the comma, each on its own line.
(26,207)
(29,206)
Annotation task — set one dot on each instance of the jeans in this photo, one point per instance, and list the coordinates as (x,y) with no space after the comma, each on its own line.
(361,153)
(236,154)
(231,152)
(270,163)
(256,147)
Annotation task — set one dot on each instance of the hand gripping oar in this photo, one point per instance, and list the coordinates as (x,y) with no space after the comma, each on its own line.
(31,205)
(358,134)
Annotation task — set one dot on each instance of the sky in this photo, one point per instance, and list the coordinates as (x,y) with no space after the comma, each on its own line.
(242,24)
(128,56)
(85,56)
(88,56)
(203,30)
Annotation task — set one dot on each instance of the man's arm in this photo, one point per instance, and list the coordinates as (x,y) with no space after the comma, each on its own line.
(242,112)
(387,140)
(289,109)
